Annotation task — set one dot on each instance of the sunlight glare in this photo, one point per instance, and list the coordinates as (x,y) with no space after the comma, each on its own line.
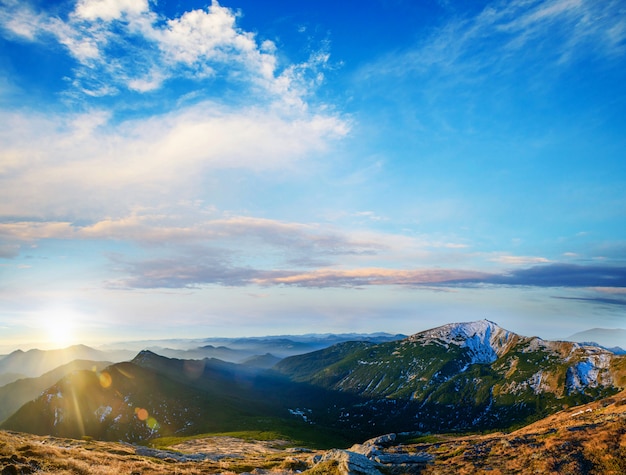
(59,327)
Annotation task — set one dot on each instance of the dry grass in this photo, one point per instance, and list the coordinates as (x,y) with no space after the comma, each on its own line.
(49,455)
(585,440)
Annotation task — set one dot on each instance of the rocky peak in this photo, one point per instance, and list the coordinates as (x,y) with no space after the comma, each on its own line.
(485,339)
(147,359)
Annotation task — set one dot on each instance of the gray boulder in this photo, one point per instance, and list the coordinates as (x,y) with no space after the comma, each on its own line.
(350,463)
(372,447)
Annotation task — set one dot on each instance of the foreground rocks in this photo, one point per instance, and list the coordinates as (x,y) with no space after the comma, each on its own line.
(370,457)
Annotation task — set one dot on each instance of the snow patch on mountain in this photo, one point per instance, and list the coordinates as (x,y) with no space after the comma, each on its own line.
(485,340)
(592,371)
(102,412)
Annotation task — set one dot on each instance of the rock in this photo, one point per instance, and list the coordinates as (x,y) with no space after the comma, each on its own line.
(382,441)
(371,448)
(409,459)
(350,463)
(370,451)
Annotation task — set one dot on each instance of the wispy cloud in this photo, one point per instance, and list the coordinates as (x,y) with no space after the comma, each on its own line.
(549,32)
(211,267)
(519,260)
(369,276)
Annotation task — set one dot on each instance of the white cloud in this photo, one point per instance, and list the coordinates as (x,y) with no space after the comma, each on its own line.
(210,34)
(109,9)
(77,163)
(199,44)
(20,21)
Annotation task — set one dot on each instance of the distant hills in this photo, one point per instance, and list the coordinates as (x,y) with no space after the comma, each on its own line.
(457,377)
(34,363)
(238,350)
(614,339)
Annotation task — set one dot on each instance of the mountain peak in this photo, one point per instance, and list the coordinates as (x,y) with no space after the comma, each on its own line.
(146,357)
(485,339)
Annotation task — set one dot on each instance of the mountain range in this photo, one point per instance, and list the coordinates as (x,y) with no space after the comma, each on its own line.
(240,350)
(457,377)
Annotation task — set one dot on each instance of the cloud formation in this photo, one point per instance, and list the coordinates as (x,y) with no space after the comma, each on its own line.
(125,45)
(206,268)
(159,160)
(97,162)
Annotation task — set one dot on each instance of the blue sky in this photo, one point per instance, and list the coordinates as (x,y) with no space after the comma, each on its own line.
(185,168)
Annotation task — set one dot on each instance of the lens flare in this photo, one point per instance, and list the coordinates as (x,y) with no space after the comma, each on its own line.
(105,379)
(152,423)
(141,413)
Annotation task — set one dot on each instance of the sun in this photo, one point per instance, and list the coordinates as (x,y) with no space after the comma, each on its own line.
(59,328)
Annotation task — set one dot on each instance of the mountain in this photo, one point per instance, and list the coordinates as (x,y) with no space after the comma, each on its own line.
(34,363)
(17,393)
(464,376)
(207,351)
(457,377)
(154,396)
(613,339)
(126,401)
(6,378)
(266,361)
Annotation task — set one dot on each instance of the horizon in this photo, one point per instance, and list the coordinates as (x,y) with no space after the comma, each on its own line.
(228,168)
(114,345)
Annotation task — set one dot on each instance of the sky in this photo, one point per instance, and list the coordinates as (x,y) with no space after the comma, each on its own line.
(185,169)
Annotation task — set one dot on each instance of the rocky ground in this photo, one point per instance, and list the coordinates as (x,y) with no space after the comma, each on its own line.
(589,439)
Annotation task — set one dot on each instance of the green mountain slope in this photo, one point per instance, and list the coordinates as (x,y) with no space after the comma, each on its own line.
(461,376)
